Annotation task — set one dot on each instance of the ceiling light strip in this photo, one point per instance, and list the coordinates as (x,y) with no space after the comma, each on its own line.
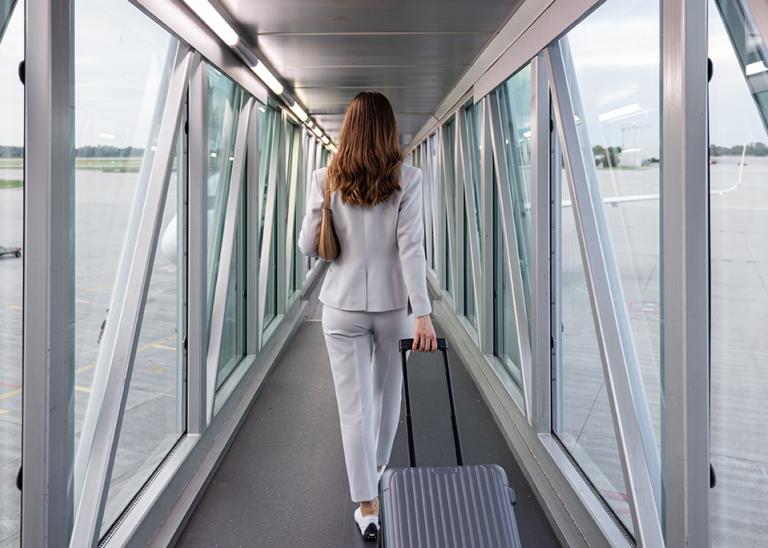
(211,16)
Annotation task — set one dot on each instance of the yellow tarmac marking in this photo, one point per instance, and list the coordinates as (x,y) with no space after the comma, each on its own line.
(4,411)
(15,306)
(163,346)
(10,394)
(85,368)
(155,344)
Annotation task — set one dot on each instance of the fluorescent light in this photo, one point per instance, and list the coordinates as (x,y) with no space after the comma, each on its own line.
(310,123)
(317,131)
(300,112)
(755,68)
(262,109)
(107,136)
(211,17)
(325,140)
(268,78)
(622,112)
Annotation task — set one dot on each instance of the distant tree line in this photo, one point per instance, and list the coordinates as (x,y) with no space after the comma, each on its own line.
(606,157)
(753,149)
(100,151)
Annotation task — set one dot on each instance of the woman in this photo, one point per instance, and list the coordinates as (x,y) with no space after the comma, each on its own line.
(376,208)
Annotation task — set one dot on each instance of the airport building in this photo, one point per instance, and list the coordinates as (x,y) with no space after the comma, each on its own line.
(595,206)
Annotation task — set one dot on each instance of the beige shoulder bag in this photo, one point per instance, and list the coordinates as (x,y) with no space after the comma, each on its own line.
(327,242)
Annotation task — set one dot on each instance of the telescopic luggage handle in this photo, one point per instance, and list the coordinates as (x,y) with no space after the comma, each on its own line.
(442,345)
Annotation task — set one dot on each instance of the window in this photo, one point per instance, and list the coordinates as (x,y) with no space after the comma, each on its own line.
(505,340)
(449,195)
(11,266)
(115,149)
(616,72)
(225,102)
(738,116)
(510,109)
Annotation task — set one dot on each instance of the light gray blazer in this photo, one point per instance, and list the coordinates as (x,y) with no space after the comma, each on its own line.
(381,260)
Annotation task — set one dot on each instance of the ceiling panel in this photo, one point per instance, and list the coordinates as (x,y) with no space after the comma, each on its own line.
(413,51)
(329,50)
(267,16)
(437,77)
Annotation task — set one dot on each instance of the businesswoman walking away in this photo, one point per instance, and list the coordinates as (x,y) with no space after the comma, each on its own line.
(375,201)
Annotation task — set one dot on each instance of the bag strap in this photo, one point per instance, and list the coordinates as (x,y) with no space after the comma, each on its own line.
(326,194)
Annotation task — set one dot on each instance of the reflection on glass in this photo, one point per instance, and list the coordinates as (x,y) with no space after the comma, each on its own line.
(11,238)
(120,95)
(505,342)
(738,111)
(269,138)
(294,167)
(515,111)
(616,60)
(434,174)
(157,379)
(225,100)
(232,347)
(449,189)
(469,288)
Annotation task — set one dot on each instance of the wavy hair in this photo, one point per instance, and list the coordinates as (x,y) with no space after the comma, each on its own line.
(366,168)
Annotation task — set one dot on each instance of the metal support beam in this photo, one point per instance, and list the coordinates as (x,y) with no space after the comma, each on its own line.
(197,257)
(253,192)
(685,293)
(99,454)
(541,298)
(48,356)
(632,424)
(486,190)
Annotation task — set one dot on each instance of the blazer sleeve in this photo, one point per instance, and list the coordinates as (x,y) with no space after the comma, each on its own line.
(310,226)
(410,242)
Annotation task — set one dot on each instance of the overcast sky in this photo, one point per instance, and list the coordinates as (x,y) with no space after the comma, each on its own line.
(120,54)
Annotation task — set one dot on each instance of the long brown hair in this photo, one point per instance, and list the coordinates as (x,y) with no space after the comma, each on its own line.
(366,169)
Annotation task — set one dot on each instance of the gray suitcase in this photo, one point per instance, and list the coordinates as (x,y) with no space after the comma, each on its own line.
(460,506)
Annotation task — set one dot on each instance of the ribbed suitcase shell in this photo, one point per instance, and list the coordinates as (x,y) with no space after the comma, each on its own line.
(447,506)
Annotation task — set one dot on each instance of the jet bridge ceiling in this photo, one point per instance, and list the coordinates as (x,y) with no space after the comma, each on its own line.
(414,51)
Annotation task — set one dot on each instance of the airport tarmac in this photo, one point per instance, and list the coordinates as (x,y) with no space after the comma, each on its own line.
(739,220)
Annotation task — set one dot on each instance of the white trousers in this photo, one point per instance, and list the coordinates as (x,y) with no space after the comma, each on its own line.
(365,362)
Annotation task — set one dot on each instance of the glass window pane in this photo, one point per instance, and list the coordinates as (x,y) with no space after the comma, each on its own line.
(225,100)
(115,148)
(469,289)
(505,341)
(617,74)
(449,188)
(585,425)
(515,110)
(739,276)
(11,239)
(232,347)
(157,378)
(434,174)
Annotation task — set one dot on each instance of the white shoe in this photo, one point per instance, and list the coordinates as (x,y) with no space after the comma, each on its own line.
(369,525)
(380,473)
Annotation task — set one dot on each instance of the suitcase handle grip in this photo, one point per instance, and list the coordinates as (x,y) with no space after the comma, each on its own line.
(407,344)
(442,345)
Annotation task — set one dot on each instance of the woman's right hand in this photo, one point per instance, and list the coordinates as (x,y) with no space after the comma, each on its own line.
(424,338)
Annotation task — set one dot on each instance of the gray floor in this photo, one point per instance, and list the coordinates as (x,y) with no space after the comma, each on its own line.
(283,481)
